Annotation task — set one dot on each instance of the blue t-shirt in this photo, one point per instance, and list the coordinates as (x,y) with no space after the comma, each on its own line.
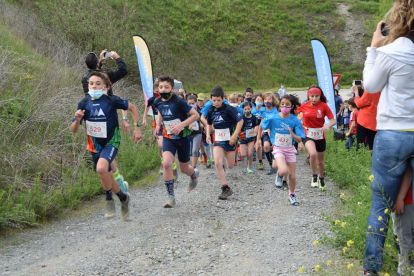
(150,102)
(103,112)
(264,113)
(280,125)
(224,117)
(208,105)
(174,108)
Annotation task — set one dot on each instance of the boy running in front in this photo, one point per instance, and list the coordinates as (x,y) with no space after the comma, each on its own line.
(173,115)
(227,123)
(99,113)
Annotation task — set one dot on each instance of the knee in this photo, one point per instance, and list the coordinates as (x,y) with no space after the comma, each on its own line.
(167,164)
(282,172)
(101,170)
(313,155)
(218,164)
(321,163)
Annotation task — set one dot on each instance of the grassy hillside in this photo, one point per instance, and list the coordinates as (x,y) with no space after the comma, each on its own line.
(204,43)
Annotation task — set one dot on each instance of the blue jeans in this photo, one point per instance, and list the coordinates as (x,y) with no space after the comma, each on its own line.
(350,141)
(393,151)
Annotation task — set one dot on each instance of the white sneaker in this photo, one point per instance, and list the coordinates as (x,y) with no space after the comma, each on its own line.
(314,182)
(292,200)
(278,181)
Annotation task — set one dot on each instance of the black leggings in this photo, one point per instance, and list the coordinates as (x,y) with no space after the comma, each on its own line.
(367,134)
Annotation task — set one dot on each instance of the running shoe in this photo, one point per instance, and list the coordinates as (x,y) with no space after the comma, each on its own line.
(208,165)
(249,170)
(212,160)
(285,185)
(369,273)
(240,158)
(200,158)
(204,159)
(122,185)
(278,181)
(271,171)
(170,202)
(314,182)
(110,208)
(292,200)
(261,166)
(321,184)
(235,163)
(225,192)
(193,181)
(125,208)
(161,171)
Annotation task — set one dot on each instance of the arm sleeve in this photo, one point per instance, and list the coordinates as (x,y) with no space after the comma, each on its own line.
(122,71)
(184,105)
(119,103)
(206,108)
(208,117)
(235,115)
(265,123)
(376,71)
(361,101)
(150,101)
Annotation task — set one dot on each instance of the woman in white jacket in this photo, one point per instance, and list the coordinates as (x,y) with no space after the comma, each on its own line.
(390,68)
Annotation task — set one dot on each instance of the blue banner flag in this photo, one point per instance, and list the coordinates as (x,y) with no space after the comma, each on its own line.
(324,72)
(145,66)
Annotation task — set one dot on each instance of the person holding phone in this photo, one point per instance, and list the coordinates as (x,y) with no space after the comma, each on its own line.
(389,68)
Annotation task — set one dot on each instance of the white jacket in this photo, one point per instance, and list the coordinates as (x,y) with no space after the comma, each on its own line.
(391,69)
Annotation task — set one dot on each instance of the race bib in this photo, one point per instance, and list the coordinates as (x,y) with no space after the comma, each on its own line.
(96,129)
(222,134)
(283,140)
(314,133)
(194,126)
(250,133)
(169,124)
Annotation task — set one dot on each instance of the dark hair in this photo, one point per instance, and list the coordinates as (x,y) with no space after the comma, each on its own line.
(246,104)
(351,101)
(248,90)
(98,74)
(255,96)
(294,100)
(167,79)
(336,92)
(191,97)
(91,60)
(155,85)
(323,98)
(360,91)
(190,94)
(217,91)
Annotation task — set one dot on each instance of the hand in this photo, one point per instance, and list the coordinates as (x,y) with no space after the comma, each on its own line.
(233,140)
(101,55)
(301,146)
(377,38)
(114,55)
(144,121)
(208,139)
(79,114)
(176,129)
(137,135)
(325,128)
(190,126)
(355,89)
(125,126)
(399,207)
(347,135)
(156,131)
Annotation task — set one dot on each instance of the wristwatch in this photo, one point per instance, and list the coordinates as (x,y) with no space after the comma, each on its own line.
(125,118)
(138,124)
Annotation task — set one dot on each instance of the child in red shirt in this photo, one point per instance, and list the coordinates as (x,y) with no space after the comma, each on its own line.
(353,124)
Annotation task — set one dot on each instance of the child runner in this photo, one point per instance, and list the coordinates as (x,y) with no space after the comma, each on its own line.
(285,129)
(196,134)
(205,148)
(258,100)
(271,106)
(248,134)
(227,124)
(314,112)
(99,113)
(354,123)
(240,99)
(233,102)
(173,115)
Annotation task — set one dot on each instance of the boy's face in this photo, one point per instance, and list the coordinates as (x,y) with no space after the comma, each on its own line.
(165,87)
(248,95)
(217,101)
(200,103)
(95,83)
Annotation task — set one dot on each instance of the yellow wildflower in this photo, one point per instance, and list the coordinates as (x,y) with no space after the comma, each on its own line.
(371,177)
(301,269)
(386,211)
(342,196)
(381,229)
(350,265)
(386,274)
(369,227)
(350,242)
(315,243)
(328,262)
(345,249)
(317,267)
(343,224)
(379,218)
(396,239)
(337,222)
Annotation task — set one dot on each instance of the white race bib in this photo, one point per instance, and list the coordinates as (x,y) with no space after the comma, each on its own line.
(222,134)
(169,124)
(314,133)
(194,126)
(96,129)
(250,133)
(283,140)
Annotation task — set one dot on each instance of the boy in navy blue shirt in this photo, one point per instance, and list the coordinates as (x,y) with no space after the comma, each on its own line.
(227,123)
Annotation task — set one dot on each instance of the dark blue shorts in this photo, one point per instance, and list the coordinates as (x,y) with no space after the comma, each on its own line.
(266,138)
(225,145)
(179,146)
(247,141)
(108,152)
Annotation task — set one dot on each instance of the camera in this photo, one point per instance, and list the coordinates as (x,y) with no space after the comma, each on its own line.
(107,55)
(384,30)
(357,82)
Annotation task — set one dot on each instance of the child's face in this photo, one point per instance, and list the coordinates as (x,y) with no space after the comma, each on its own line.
(239,101)
(314,98)
(233,101)
(248,95)
(217,101)
(95,83)
(259,100)
(200,103)
(247,108)
(156,90)
(268,102)
(285,103)
(192,103)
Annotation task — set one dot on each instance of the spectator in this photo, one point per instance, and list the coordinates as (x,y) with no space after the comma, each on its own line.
(282,91)
(353,124)
(339,107)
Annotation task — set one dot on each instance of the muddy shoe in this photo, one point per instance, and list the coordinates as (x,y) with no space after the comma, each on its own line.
(226,192)
(193,182)
(125,208)
(110,208)
(170,203)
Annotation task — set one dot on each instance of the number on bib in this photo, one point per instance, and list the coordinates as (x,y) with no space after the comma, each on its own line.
(283,140)
(250,133)
(96,129)
(194,126)
(314,133)
(222,134)
(169,124)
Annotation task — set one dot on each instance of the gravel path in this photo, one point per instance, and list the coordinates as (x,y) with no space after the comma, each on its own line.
(255,232)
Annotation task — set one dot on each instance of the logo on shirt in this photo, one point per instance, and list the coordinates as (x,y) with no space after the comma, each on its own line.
(319,114)
(166,112)
(97,113)
(218,119)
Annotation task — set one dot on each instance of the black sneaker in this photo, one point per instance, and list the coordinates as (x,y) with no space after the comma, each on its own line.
(226,192)
(285,185)
(322,186)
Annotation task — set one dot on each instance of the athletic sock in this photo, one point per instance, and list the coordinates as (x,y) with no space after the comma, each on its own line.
(108,194)
(315,175)
(193,176)
(117,175)
(169,184)
(291,193)
(174,167)
(269,157)
(121,196)
(260,161)
(321,178)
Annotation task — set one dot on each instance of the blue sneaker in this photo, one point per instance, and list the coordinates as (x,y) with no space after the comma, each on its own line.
(122,184)
(249,170)
(161,171)
(193,181)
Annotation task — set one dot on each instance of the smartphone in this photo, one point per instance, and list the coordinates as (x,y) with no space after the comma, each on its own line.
(384,30)
(107,55)
(357,82)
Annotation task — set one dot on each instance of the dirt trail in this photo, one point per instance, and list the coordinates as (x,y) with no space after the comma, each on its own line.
(255,232)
